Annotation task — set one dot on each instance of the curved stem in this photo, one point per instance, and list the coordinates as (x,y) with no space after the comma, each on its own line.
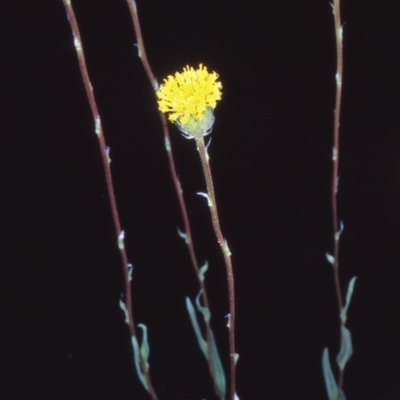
(110,188)
(178,189)
(227,258)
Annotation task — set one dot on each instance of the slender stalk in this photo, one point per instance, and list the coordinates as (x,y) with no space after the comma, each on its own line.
(110,188)
(178,189)
(335,177)
(335,155)
(202,149)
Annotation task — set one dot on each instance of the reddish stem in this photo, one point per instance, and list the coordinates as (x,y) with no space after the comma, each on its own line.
(335,172)
(227,258)
(189,242)
(107,171)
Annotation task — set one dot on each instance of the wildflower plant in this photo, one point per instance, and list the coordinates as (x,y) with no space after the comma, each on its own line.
(191,96)
(199,99)
(188,99)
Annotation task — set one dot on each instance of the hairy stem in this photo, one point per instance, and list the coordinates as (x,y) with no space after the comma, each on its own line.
(110,188)
(187,231)
(227,257)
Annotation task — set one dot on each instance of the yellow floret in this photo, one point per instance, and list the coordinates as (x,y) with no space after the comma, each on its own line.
(189,95)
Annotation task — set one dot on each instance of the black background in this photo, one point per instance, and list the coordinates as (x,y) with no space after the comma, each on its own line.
(63,335)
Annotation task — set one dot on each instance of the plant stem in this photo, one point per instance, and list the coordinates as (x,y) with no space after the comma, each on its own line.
(227,257)
(335,158)
(108,176)
(178,189)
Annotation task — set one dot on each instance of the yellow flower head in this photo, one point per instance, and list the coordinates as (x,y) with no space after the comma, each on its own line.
(190,98)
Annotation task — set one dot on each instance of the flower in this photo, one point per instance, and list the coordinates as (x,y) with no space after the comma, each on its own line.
(190,98)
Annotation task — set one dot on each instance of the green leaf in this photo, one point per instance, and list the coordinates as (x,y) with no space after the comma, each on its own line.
(183,236)
(219,375)
(130,271)
(330,258)
(220,381)
(330,382)
(125,310)
(204,310)
(193,318)
(202,194)
(203,270)
(121,238)
(138,368)
(144,346)
(346,350)
(343,314)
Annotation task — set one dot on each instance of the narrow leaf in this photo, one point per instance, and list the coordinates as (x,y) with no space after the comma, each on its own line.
(136,360)
(343,314)
(193,318)
(144,346)
(346,349)
(330,258)
(204,310)
(330,382)
(121,238)
(183,236)
(130,271)
(203,270)
(206,196)
(125,310)
(219,374)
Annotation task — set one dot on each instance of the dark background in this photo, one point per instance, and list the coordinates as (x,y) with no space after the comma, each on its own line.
(63,335)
